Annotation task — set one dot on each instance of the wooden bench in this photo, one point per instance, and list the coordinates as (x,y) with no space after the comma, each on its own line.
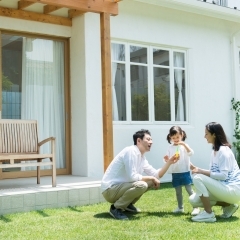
(19,146)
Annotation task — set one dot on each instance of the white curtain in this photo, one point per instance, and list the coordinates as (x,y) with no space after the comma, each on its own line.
(178,75)
(43,91)
(115,49)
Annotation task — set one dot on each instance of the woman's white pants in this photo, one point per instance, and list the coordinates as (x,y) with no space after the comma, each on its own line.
(214,189)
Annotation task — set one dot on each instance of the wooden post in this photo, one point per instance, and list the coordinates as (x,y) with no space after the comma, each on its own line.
(106,89)
(1,75)
(1,172)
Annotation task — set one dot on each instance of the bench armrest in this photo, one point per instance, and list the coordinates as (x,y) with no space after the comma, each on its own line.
(52,139)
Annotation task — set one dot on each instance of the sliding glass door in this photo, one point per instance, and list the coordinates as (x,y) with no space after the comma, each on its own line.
(34,87)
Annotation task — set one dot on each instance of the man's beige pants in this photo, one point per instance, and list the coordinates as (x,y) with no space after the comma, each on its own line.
(121,195)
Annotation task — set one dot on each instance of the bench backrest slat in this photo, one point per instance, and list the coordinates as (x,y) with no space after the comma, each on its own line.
(18,136)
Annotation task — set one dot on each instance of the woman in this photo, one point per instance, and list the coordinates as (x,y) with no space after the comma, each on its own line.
(221,184)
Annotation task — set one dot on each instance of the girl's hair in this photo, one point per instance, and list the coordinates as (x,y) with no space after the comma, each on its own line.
(173,131)
(220,136)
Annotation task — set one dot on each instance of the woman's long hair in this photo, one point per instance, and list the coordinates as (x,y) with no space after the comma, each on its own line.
(220,136)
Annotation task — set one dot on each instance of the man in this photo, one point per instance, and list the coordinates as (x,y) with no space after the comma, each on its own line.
(123,183)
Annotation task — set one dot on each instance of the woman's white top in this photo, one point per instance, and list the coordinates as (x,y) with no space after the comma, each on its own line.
(183,164)
(224,167)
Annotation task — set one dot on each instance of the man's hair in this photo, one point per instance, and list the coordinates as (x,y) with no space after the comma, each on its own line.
(140,134)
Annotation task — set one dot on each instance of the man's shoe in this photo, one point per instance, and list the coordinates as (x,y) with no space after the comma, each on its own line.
(195,212)
(229,211)
(132,208)
(204,217)
(117,214)
(178,210)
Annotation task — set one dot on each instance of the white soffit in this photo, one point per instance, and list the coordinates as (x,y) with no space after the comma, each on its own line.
(198,7)
(35,7)
(9,3)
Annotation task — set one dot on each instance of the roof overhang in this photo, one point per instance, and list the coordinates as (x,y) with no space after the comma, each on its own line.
(45,10)
(197,7)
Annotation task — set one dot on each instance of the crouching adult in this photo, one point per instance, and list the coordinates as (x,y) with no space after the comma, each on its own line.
(123,183)
(221,184)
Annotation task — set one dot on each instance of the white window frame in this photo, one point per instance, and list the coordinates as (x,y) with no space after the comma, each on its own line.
(150,67)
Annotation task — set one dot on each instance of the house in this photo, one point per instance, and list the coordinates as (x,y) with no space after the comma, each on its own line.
(173,62)
(180,67)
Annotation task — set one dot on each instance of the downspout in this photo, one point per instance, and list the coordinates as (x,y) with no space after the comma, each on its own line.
(235,65)
(236,75)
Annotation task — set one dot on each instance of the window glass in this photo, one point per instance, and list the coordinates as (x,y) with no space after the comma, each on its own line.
(11,76)
(160,57)
(179,87)
(119,92)
(118,52)
(162,106)
(178,59)
(33,87)
(138,54)
(154,90)
(180,94)
(139,93)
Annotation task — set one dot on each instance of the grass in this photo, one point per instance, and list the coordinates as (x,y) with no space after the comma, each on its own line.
(156,221)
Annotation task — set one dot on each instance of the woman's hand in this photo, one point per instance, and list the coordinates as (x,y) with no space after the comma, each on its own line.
(192,166)
(195,169)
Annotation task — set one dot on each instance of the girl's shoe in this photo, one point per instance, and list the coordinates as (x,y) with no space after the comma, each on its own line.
(195,212)
(178,210)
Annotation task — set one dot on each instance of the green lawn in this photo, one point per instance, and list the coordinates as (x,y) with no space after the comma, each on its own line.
(156,221)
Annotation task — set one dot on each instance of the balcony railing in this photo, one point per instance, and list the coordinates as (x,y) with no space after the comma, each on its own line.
(234,4)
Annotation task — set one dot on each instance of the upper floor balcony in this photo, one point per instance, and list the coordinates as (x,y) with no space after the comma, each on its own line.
(234,4)
(220,9)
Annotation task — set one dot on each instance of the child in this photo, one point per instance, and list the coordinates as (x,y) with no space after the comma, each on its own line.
(181,169)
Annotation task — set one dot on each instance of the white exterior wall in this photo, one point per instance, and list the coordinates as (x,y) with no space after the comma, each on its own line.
(210,81)
(86,96)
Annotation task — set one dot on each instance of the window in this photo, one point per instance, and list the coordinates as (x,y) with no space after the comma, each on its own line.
(148,83)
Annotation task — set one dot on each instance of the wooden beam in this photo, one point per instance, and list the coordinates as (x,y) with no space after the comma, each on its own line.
(113,1)
(73,13)
(1,73)
(97,6)
(32,16)
(49,8)
(106,89)
(22,5)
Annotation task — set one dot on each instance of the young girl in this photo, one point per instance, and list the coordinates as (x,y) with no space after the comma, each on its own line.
(181,169)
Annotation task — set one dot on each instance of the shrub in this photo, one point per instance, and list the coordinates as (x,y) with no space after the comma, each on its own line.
(236,143)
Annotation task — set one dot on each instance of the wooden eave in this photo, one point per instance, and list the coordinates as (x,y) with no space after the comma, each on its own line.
(75,8)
